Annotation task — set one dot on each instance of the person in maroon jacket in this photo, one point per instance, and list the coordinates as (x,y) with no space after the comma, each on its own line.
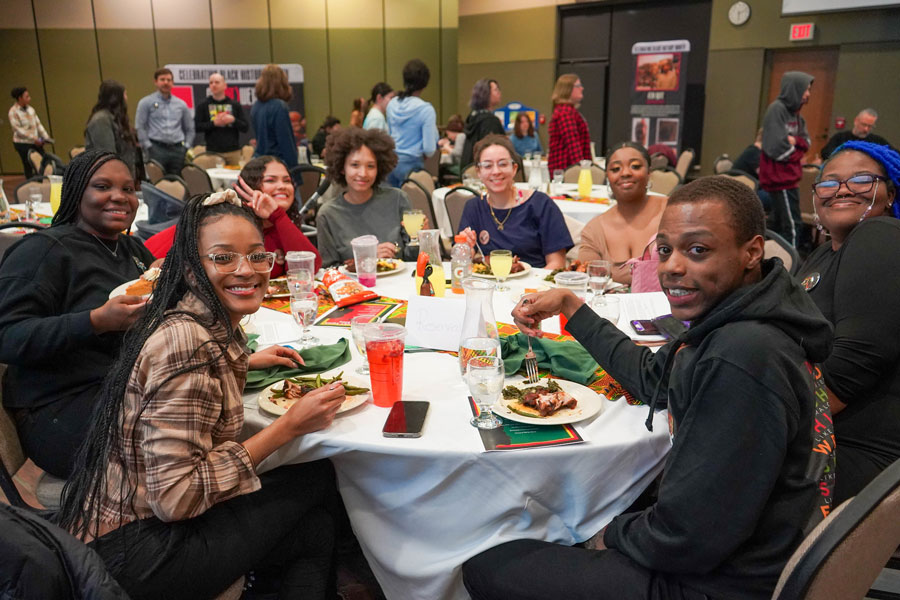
(784,142)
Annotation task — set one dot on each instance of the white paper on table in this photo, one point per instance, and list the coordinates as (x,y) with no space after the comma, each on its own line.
(647,305)
(434,322)
(270,333)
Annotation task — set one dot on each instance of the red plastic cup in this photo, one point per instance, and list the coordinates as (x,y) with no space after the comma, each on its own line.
(384,350)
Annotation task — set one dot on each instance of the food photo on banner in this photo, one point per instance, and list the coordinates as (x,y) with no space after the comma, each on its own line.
(192,86)
(657,99)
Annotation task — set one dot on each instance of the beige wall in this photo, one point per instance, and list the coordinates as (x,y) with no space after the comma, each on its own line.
(62,49)
(737,83)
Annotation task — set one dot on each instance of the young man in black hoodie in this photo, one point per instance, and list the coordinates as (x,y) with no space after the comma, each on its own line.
(736,490)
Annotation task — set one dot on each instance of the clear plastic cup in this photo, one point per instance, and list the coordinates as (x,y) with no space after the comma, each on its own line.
(365,254)
(301,259)
(384,350)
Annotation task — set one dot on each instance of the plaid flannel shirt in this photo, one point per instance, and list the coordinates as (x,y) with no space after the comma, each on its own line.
(570,140)
(181,453)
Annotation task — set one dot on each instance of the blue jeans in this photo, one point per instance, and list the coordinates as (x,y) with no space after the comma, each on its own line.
(405,165)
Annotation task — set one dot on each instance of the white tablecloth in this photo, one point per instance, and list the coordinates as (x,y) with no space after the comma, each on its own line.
(43,210)
(421,507)
(223,178)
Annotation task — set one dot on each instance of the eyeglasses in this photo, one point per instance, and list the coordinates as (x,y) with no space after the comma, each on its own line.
(579,85)
(229,262)
(858,184)
(501,164)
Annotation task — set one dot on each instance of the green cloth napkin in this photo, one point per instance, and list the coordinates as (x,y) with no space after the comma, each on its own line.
(252,342)
(567,360)
(318,359)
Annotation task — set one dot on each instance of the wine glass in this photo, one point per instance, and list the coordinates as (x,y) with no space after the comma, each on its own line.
(599,272)
(609,309)
(485,375)
(303,308)
(413,219)
(300,281)
(358,332)
(501,263)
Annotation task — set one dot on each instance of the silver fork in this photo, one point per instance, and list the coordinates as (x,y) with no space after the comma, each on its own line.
(531,363)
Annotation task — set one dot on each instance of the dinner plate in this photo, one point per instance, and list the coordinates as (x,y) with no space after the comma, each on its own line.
(399,267)
(522,273)
(120,290)
(265,400)
(282,283)
(590,403)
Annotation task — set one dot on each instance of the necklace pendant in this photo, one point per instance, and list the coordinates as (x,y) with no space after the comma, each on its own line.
(500,226)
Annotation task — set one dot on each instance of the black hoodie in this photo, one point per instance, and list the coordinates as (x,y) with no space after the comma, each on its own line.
(479,124)
(735,493)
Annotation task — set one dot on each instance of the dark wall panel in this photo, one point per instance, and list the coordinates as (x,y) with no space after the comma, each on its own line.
(648,23)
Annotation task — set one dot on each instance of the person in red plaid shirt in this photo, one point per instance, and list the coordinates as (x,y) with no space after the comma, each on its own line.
(570,140)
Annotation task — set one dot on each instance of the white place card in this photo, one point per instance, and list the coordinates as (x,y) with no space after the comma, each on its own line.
(435,323)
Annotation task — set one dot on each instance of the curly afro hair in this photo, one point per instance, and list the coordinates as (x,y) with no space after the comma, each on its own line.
(346,141)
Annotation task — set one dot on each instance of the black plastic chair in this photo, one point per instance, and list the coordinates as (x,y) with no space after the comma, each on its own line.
(164,210)
(455,202)
(197,180)
(306,181)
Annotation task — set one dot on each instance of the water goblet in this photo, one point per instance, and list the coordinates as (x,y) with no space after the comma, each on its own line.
(304,307)
(485,375)
(358,332)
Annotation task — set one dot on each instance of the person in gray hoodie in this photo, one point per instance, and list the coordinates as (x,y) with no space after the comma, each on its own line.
(740,482)
(784,142)
(412,122)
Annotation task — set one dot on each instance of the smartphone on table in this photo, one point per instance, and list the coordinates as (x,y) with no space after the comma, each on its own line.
(406,419)
(667,326)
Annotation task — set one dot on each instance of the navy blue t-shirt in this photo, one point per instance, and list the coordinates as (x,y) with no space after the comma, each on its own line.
(535,228)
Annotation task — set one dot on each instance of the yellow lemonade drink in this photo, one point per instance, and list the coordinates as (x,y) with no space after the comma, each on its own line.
(55,193)
(413,221)
(585,182)
(438,283)
(501,264)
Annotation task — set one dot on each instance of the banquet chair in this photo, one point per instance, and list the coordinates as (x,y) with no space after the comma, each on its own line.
(247,153)
(197,150)
(685,160)
(664,181)
(153,170)
(598,175)
(35,158)
(75,151)
(209,160)
(7,241)
(844,554)
(164,210)
(658,160)
(47,489)
(420,199)
(38,183)
(197,180)
(455,202)
(423,178)
(775,245)
(722,164)
(520,172)
(174,186)
(469,172)
(742,177)
(306,180)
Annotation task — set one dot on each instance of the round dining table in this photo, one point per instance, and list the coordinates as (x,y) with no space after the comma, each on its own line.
(421,507)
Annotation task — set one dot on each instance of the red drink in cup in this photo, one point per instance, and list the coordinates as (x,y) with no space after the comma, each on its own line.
(384,350)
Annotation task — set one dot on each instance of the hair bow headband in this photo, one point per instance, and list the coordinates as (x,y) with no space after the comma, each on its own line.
(229,196)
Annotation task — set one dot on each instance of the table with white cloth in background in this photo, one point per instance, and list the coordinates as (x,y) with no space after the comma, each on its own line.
(223,178)
(43,210)
(421,507)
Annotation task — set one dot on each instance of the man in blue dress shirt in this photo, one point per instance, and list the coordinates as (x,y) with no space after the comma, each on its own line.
(164,124)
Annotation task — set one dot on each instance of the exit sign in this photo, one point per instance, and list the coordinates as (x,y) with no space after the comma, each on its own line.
(802,31)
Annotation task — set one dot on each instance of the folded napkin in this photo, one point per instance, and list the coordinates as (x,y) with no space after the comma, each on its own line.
(320,358)
(567,360)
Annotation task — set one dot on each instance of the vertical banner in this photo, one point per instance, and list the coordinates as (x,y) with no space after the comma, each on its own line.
(192,86)
(657,100)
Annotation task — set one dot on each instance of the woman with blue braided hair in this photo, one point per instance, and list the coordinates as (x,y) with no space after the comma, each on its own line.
(854,282)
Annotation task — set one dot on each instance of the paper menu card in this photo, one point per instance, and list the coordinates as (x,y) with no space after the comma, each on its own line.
(647,305)
(519,436)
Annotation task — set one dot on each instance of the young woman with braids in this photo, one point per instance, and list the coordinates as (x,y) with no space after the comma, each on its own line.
(268,190)
(59,330)
(162,489)
(853,280)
